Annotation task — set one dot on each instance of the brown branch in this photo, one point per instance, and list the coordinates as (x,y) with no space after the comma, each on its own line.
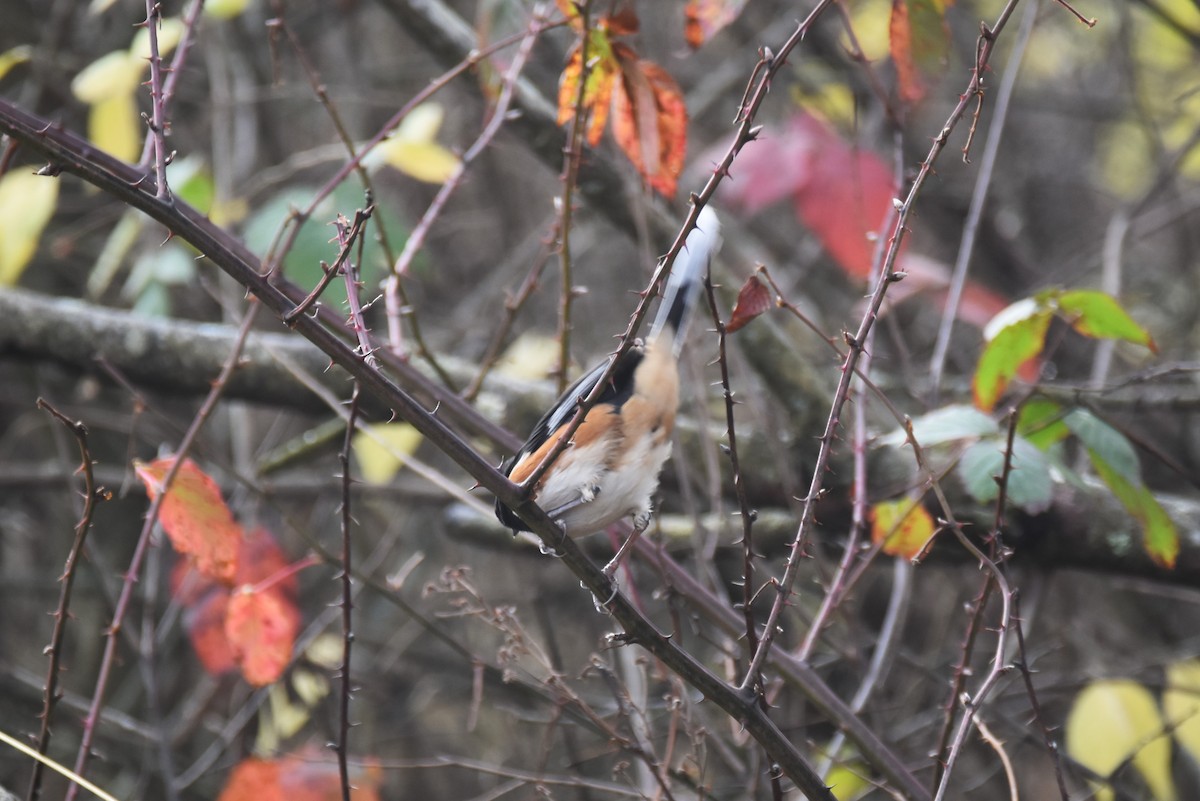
(53,651)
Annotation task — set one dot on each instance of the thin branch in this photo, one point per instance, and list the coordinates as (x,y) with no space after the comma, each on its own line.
(343,741)
(983,182)
(158,114)
(190,20)
(53,651)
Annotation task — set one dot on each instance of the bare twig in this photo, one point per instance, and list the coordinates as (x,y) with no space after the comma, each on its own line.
(190,19)
(343,742)
(983,182)
(53,651)
(158,114)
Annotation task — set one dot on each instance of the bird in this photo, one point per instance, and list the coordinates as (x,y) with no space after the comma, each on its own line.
(611,467)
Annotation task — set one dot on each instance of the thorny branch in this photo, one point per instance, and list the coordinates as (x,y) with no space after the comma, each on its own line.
(53,651)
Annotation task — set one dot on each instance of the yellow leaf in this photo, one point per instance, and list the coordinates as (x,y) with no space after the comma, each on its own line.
(412,149)
(26,204)
(97,7)
(228,212)
(530,357)
(224,9)
(381,450)
(869,20)
(108,76)
(14,56)
(169,34)
(903,526)
(113,127)
(846,783)
(421,124)
(1181,704)
(425,161)
(1112,721)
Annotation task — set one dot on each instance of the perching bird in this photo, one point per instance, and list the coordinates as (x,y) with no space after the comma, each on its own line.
(610,470)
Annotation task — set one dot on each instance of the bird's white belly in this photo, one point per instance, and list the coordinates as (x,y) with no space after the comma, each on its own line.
(624,489)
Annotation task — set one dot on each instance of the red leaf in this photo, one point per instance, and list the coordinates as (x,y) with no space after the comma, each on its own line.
(253,779)
(206,601)
(753,299)
(842,193)
(261,628)
(205,623)
(195,517)
(704,18)
(597,93)
(650,121)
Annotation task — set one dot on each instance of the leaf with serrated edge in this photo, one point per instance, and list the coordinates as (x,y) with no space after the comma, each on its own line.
(261,627)
(195,517)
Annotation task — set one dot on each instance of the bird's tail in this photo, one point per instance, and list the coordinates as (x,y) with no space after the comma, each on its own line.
(687,277)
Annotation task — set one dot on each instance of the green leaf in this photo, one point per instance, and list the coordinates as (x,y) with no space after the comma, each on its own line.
(1041,422)
(947,424)
(312,246)
(1030,482)
(1159,535)
(1099,315)
(1005,353)
(1110,445)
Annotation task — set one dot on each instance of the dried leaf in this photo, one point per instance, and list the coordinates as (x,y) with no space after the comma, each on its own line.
(195,517)
(753,299)
(261,628)
(650,122)
(310,775)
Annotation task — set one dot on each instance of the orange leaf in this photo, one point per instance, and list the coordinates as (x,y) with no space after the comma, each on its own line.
(919,40)
(311,775)
(704,18)
(206,601)
(195,517)
(253,779)
(650,121)
(205,623)
(753,299)
(597,92)
(903,526)
(261,628)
